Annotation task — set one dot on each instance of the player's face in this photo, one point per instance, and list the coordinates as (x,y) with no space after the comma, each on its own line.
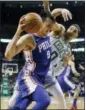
(72,32)
(46,27)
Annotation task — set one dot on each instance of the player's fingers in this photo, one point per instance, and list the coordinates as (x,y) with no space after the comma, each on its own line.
(23,25)
(22,19)
(70,15)
(67,17)
(64,16)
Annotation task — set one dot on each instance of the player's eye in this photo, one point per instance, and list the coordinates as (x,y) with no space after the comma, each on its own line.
(75,31)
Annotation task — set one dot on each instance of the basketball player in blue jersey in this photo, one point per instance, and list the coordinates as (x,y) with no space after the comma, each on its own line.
(37,50)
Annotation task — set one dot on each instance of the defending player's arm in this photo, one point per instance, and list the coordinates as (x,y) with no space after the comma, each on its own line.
(81,67)
(19,43)
(66,14)
(57,28)
(46,6)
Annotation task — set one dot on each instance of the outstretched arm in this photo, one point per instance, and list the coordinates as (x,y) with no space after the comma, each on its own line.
(66,14)
(58,29)
(46,6)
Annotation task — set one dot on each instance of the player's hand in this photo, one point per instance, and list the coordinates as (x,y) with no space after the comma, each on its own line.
(81,67)
(21,24)
(66,14)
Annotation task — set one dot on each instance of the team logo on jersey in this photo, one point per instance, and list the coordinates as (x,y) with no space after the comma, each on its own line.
(44,45)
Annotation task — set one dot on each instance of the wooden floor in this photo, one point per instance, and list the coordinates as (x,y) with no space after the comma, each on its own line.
(53,105)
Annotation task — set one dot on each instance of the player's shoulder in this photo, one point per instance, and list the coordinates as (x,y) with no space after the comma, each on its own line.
(26,36)
(29,38)
(63,27)
(52,36)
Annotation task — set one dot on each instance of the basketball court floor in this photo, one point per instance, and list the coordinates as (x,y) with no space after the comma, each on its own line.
(53,105)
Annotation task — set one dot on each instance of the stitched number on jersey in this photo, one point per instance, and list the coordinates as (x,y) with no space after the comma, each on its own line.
(48,54)
(54,55)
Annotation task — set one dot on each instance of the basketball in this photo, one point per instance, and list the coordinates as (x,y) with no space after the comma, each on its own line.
(34,22)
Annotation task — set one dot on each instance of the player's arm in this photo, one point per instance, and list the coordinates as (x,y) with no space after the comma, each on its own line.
(46,7)
(81,67)
(18,43)
(66,14)
(16,46)
(72,64)
(59,29)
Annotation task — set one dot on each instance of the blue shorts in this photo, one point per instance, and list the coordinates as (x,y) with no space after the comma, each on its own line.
(27,89)
(40,96)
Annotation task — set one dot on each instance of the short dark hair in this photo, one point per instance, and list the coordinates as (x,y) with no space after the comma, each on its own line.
(78,27)
(45,15)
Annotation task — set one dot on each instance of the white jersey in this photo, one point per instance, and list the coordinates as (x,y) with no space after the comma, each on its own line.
(59,49)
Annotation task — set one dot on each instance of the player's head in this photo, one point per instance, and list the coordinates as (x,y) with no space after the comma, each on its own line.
(73,31)
(48,22)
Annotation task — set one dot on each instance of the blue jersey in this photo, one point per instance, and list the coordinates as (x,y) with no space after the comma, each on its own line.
(41,55)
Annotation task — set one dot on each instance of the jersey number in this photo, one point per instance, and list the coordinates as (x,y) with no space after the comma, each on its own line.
(48,54)
(54,55)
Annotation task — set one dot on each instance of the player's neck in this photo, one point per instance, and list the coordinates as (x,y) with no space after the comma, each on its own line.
(66,38)
(40,34)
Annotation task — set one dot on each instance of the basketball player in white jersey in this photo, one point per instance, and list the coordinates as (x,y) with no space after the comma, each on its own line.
(60,48)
